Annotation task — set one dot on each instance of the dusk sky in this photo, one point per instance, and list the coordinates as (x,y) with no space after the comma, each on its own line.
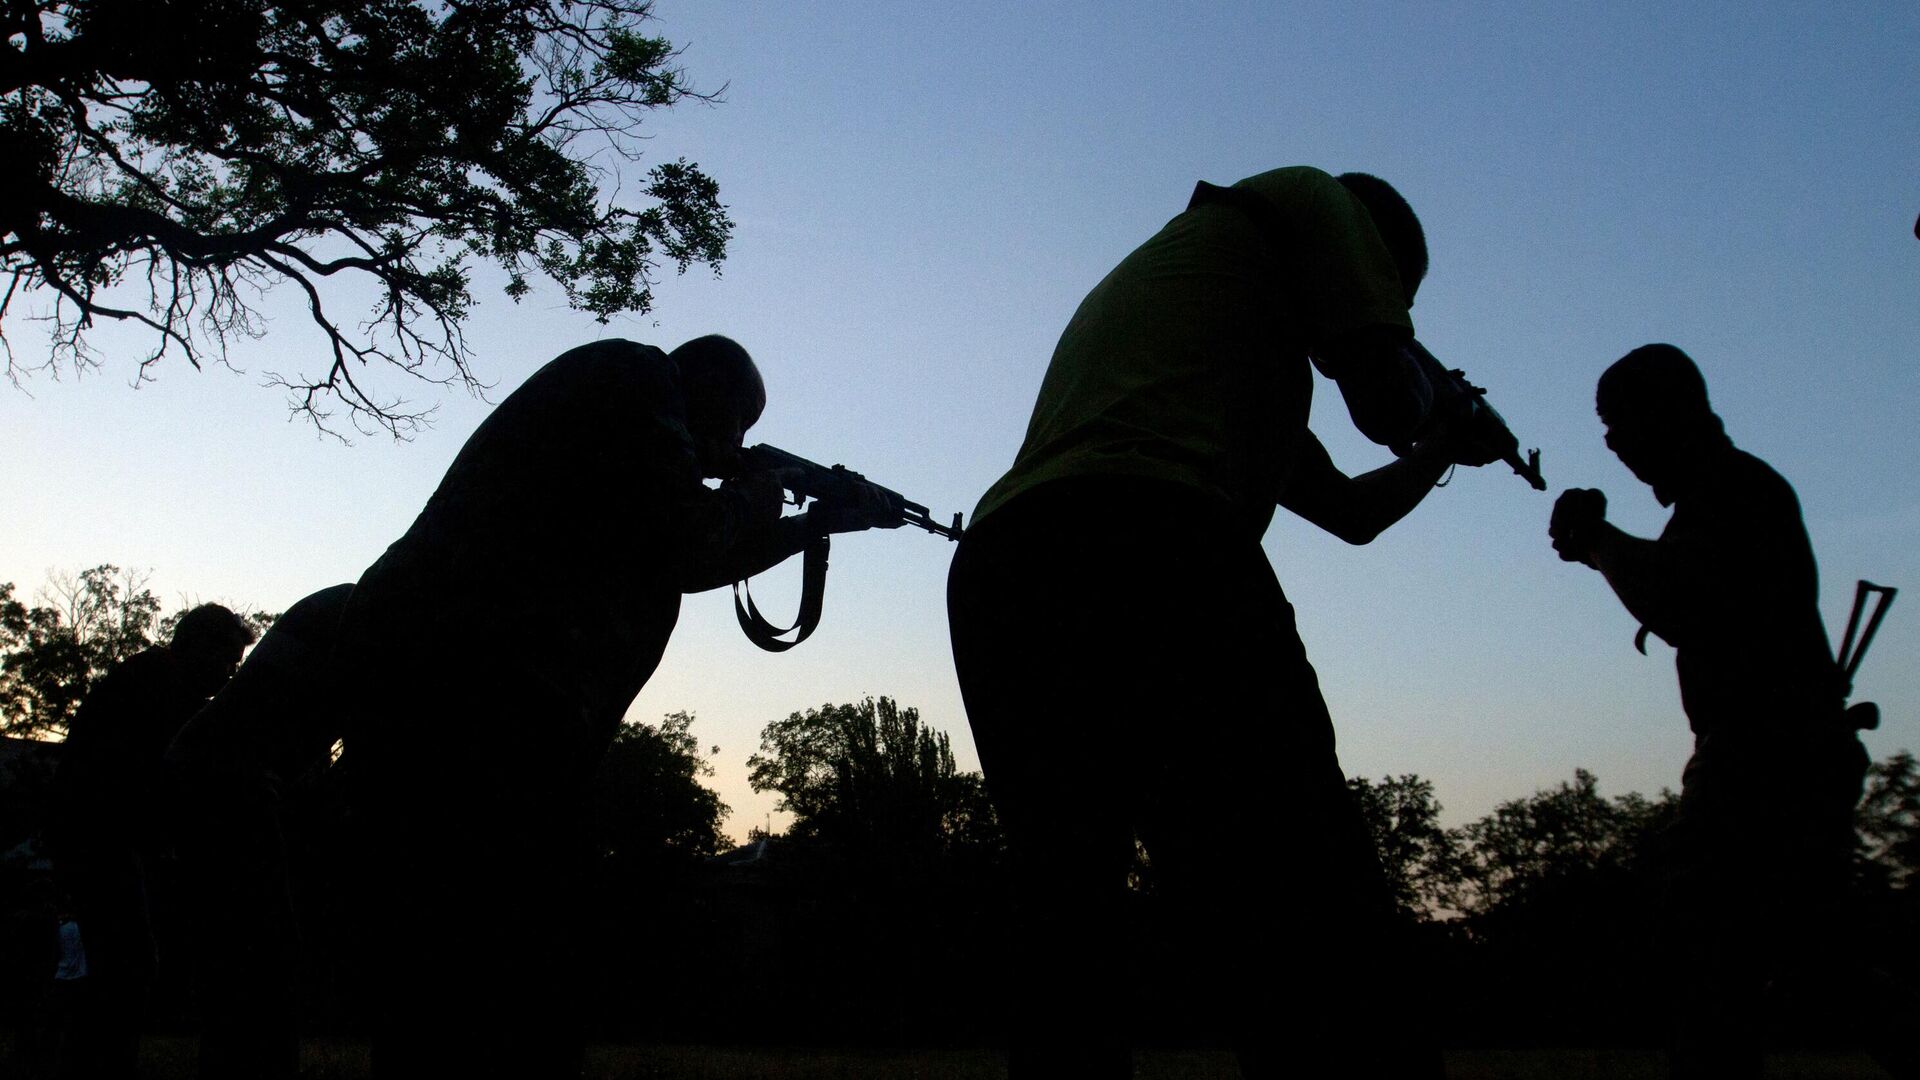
(922,195)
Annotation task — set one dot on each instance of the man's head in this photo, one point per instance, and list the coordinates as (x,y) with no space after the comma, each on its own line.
(1654,404)
(1397,225)
(208,643)
(725,396)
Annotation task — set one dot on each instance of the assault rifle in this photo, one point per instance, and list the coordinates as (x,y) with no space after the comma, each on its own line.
(828,487)
(807,480)
(1862,715)
(1483,427)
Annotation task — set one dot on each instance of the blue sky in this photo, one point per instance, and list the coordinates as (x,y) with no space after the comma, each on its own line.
(924,192)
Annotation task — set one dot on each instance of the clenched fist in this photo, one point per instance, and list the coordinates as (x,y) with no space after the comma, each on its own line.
(1576,514)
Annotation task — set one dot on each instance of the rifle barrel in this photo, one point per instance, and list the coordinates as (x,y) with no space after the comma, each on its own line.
(1529,469)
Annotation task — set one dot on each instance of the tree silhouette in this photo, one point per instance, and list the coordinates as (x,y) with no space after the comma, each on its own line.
(203,151)
(887,890)
(869,774)
(1552,841)
(1889,824)
(52,653)
(1420,858)
(648,803)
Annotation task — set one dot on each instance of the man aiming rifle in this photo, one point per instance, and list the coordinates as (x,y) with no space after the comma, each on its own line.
(1138,675)
(489,656)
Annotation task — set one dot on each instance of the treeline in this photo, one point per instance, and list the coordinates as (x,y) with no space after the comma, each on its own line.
(1539,921)
(54,649)
(877,915)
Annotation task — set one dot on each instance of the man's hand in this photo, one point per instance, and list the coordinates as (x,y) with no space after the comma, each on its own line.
(762,493)
(1577,515)
(1456,441)
(870,510)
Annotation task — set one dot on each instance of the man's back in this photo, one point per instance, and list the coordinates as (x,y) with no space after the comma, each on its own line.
(1187,363)
(1752,652)
(543,549)
(107,779)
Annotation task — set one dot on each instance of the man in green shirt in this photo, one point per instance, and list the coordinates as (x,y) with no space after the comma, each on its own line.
(1129,664)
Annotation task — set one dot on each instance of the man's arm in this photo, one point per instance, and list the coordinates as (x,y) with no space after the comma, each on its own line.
(1358,508)
(1387,394)
(758,549)
(730,533)
(765,539)
(1660,583)
(1650,581)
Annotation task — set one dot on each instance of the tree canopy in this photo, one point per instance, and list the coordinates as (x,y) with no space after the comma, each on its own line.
(51,653)
(648,802)
(1554,839)
(1419,857)
(870,774)
(1889,824)
(204,151)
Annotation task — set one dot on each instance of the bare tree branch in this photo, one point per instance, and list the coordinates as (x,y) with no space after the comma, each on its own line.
(199,146)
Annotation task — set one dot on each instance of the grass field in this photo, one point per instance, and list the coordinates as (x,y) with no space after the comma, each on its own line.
(165,1058)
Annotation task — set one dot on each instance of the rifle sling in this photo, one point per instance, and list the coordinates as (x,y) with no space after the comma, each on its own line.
(813,589)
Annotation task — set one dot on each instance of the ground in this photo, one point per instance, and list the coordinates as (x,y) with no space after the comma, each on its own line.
(171,1058)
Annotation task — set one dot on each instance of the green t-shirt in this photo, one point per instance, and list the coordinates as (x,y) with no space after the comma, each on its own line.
(1189,361)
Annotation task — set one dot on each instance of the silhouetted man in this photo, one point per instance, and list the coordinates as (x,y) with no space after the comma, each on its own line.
(490,654)
(272,725)
(1129,664)
(110,801)
(1761,849)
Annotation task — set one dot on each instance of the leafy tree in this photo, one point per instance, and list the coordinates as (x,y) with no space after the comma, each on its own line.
(648,801)
(52,653)
(1640,820)
(1555,839)
(651,824)
(1420,858)
(1889,823)
(206,150)
(870,774)
(887,895)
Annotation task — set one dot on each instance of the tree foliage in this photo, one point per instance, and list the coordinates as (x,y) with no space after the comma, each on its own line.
(885,899)
(1419,856)
(81,625)
(1889,823)
(203,151)
(870,774)
(1554,839)
(648,801)
(53,652)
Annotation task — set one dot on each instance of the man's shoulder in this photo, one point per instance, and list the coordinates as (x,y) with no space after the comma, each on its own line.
(613,350)
(132,684)
(608,356)
(611,375)
(154,663)
(1742,475)
(1293,184)
(1739,487)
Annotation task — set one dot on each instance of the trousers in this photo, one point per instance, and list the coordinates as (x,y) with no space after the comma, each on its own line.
(1143,683)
